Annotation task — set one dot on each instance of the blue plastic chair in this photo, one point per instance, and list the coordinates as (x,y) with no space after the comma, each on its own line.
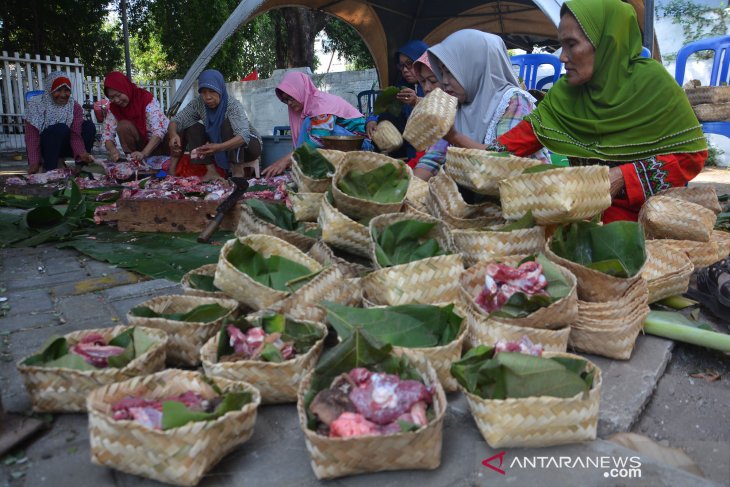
(366,101)
(645,52)
(718,75)
(529,63)
(282,130)
(31,94)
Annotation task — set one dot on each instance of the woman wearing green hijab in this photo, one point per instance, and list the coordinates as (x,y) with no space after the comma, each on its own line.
(615,108)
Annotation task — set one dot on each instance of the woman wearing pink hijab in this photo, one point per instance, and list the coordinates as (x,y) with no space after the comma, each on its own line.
(313,114)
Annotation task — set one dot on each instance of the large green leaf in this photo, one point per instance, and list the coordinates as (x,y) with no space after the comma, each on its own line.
(385,184)
(387,102)
(313,163)
(275,272)
(404,242)
(202,282)
(205,313)
(42,217)
(515,375)
(176,414)
(281,216)
(408,325)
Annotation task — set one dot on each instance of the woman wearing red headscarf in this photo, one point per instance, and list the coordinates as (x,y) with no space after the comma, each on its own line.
(136,117)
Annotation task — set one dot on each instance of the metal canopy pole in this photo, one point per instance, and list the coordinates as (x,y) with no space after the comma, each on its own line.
(649,25)
(238,17)
(125,33)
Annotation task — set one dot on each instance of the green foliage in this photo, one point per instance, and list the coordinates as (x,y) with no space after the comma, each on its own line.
(404,242)
(385,184)
(205,313)
(697,21)
(275,272)
(387,102)
(176,414)
(203,282)
(281,216)
(342,38)
(313,163)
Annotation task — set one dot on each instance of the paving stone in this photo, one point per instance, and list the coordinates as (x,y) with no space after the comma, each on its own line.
(84,308)
(30,320)
(116,277)
(21,280)
(151,288)
(28,301)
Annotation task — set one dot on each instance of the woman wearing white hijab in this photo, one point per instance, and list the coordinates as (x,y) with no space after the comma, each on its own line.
(55,127)
(474,67)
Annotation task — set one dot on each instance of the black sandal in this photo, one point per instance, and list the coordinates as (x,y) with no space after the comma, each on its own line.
(713,288)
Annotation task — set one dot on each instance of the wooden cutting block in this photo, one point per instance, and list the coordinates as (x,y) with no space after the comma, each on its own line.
(170,216)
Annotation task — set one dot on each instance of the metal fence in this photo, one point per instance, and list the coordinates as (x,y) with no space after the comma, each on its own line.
(22,74)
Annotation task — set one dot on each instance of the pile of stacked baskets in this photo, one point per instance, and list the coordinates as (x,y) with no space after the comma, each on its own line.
(710,103)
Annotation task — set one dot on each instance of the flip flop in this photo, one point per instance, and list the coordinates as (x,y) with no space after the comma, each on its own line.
(715,280)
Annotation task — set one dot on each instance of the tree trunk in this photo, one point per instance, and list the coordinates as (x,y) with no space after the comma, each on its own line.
(302,25)
(280,38)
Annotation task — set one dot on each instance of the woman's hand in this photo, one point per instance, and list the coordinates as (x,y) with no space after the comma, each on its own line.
(137,156)
(370,128)
(278,167)
(114,155)
(207,150)
(87,158)
(407,96)
(616,176)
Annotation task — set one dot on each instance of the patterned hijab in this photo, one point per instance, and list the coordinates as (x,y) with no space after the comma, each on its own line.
(213,80)
(630,109)
(43,111)
(480,64)
(300,87)
(138,101)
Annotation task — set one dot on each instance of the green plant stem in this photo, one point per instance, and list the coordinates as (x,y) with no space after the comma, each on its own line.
(677,302)
(655,325)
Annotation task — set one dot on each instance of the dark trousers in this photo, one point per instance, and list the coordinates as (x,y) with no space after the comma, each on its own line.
(195,136)
(56,142)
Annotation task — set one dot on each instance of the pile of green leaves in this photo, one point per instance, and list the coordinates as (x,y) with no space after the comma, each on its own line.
(385,184)
(275,272)
(359,349)
(516,375)
(407,325)
(313,163)
(176,414)
(387,102)
(404,242)
(56,352)
(202,282)
(616,249)
(303,335)
(205,313)
(281,216)
(520,305)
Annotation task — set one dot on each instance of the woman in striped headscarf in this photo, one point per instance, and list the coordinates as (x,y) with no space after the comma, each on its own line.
(55,127)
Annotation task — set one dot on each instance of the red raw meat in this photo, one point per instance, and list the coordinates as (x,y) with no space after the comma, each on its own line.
(382,398)
(503,281)
(95,351)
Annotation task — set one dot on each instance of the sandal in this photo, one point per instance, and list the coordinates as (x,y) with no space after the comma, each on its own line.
(713,288)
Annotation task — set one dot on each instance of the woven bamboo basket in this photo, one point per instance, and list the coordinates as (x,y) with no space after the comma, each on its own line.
(431,119)
(426,281)
(328,285)
(178,456)
(417,194)
(539,421)
(476,245)
(700,253)
(306,205)
(323,254)
(708,94)
(334,156)
(667,271)
(610,329)
(205,270)
(387,137)
(439,232)
(276,382)
(185,337)
(63,390)
(445,203)
(337,457)
(341,231)
(722,240)
(557,196)
(250,224)
(357,207)
(242,287)
(558,315)
(667,217)
(304,183)
(702,195)
(593,285)
(483,331)
(711,112)
(481,171)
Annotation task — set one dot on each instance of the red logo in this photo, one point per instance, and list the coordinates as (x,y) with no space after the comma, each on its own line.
(499,455)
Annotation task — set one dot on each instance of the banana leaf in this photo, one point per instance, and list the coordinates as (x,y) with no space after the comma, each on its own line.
(404,242)
(56,352)
(281,216)
(205,313)
(527,221)
(516,375)
(176,414)
(202,282)
(408,325)
(384,184)
(275,272)
(304,335)
(313,163)
(520,305)
(617,249)
(387,102)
